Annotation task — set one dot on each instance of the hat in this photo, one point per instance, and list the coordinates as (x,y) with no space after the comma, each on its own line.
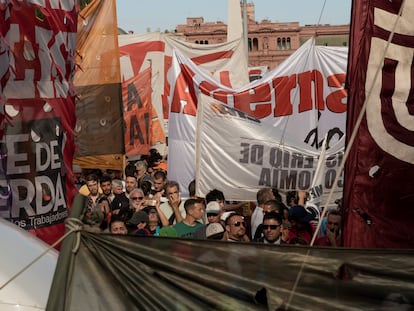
(213,208)
(168,232)
(214,231)
(225,215)
(138,217)
(299,213)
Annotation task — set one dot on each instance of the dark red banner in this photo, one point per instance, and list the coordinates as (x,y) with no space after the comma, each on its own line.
(379,173)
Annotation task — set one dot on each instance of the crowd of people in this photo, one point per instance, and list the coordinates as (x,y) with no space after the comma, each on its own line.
(146,203)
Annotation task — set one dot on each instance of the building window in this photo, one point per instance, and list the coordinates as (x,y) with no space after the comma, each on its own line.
(205,41)
(250,45)
(288,43)
(279,43)
(255,44)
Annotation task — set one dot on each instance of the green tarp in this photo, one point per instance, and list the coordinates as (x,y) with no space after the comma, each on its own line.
(113,272)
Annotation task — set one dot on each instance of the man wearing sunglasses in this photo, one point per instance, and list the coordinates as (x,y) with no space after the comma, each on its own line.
(236,228)
(272,228)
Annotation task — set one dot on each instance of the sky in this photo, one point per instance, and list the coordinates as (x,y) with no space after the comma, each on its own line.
(160,15)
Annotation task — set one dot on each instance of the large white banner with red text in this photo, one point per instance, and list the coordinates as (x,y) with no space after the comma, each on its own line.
(302,101)
(37,144)
(154,51)
(240,154)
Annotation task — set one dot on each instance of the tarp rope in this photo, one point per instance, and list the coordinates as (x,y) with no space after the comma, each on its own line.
(73,225)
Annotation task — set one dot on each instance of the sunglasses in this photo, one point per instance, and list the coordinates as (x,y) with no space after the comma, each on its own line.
(137,198)
(239,223)
(211,214)
(271,227)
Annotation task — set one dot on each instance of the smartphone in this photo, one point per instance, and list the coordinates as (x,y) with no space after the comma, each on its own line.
(150,202)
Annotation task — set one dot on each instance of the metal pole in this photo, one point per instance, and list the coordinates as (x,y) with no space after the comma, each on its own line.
(245,29)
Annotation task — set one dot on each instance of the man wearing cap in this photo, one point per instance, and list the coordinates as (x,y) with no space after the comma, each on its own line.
(301,226)
(213,212)
(138,224)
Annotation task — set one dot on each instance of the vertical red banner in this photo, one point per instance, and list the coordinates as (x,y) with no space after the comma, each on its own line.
(379,174)
(37,145)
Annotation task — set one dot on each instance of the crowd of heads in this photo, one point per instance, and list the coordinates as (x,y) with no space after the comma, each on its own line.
(141,200)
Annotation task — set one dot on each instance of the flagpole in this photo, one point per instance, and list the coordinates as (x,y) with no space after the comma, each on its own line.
(245,29)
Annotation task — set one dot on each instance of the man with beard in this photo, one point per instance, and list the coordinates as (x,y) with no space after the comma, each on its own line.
(236,228)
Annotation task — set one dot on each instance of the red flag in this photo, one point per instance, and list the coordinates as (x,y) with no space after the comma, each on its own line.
(38,141)
(379,173)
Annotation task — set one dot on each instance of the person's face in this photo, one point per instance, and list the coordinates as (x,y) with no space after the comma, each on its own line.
(135,200)
(212,217)
(236,227)
(130,183)
(158,184)
(118,227)
(271,229)
(106,188)
(198,211)
(153,216)
(333,223)
(173,195)
(141,172)
(92,186)
(117,190)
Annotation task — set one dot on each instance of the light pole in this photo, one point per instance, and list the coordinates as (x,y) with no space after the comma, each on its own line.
(245,29)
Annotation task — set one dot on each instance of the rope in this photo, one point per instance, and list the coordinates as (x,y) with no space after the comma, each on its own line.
(73,225)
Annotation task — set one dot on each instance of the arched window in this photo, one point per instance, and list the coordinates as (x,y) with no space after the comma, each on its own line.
(283,43)
(250,45)
(288,43)
(255,44)
(279,43)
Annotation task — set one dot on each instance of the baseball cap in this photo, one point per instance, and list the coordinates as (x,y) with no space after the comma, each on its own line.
(213,207)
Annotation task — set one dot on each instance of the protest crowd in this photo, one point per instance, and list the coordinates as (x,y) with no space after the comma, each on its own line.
(143,201)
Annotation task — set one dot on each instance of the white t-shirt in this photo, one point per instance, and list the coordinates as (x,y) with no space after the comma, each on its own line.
(256,219)
(168,210)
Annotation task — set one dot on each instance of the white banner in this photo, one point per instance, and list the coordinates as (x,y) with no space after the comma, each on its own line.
(301,101)
(226,62)
(239,155)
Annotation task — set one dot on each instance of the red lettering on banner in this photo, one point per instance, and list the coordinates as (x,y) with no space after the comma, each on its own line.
(181,96)
(144,48)
(334,100)
(305,80)
(259,96)
(283,86)
(211,57)
(167,86)
(225,78)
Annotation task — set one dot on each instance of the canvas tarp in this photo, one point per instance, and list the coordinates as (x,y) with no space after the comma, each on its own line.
(113,272)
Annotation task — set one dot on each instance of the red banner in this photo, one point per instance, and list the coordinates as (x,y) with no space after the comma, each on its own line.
(136,96)
(38,43)
(379,174)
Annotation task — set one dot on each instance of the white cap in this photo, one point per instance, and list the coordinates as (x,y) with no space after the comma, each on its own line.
(213,207)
